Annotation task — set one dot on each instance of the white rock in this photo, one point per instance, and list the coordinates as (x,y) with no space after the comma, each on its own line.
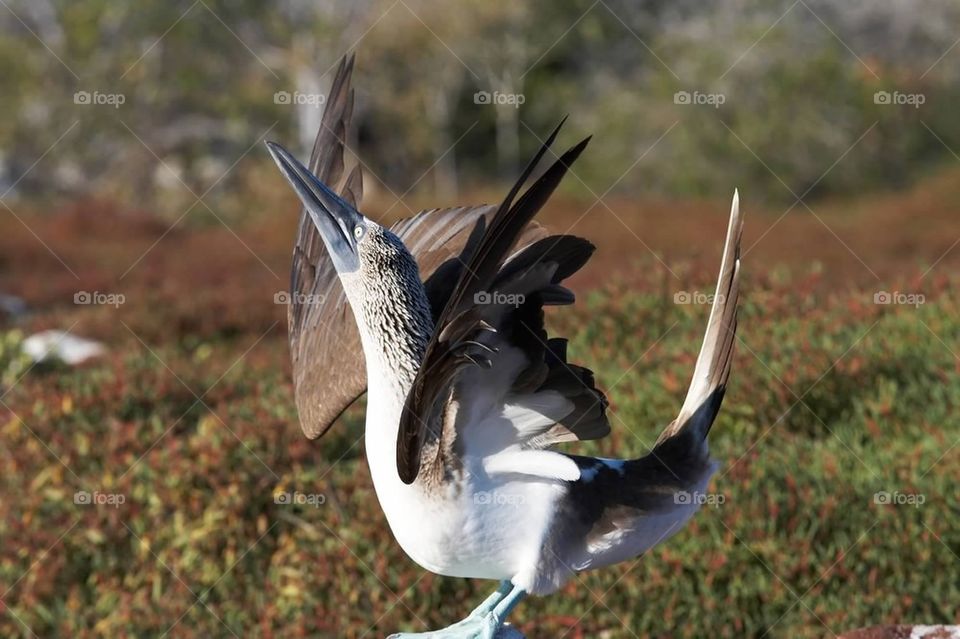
(53,344)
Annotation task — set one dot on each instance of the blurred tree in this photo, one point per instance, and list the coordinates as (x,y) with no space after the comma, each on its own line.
(179,93)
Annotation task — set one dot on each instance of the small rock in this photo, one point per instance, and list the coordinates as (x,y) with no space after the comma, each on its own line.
(60,345)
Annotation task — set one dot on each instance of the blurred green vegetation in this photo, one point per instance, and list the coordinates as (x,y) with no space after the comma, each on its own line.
(198,81)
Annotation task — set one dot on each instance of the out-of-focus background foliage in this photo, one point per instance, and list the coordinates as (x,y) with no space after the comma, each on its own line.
(198,83)
(139,209)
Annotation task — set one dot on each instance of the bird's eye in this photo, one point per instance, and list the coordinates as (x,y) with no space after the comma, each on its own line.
(358,232)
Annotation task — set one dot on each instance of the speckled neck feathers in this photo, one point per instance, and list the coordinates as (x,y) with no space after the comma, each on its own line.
(392,310)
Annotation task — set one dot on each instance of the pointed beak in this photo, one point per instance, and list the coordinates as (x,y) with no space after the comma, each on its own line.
(335,220)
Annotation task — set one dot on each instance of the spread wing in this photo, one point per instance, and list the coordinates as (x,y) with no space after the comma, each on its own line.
(329,372)
(438,239)
(491,380)
(317,302)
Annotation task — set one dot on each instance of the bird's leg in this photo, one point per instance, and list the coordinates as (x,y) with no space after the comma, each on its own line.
(493,621)
(491,602)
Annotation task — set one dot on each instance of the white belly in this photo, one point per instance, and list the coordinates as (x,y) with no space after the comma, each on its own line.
(488,528)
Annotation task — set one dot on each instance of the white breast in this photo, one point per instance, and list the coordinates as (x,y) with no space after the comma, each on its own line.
(483,527)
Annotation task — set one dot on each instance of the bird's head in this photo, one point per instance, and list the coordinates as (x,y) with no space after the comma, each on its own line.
(378,272)
(362,251)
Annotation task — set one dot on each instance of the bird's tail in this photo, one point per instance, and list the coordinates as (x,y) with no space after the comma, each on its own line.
(680,462)
(712,370)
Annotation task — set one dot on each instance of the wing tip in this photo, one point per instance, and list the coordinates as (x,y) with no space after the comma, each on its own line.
(577,149)
(407,472)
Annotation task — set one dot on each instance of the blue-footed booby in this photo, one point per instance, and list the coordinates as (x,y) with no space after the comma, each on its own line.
(468,396)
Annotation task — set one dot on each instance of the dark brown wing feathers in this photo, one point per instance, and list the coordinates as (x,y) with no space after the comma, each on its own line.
(451,348)
(321,328)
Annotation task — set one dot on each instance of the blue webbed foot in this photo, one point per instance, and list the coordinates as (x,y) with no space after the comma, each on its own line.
(485,622)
